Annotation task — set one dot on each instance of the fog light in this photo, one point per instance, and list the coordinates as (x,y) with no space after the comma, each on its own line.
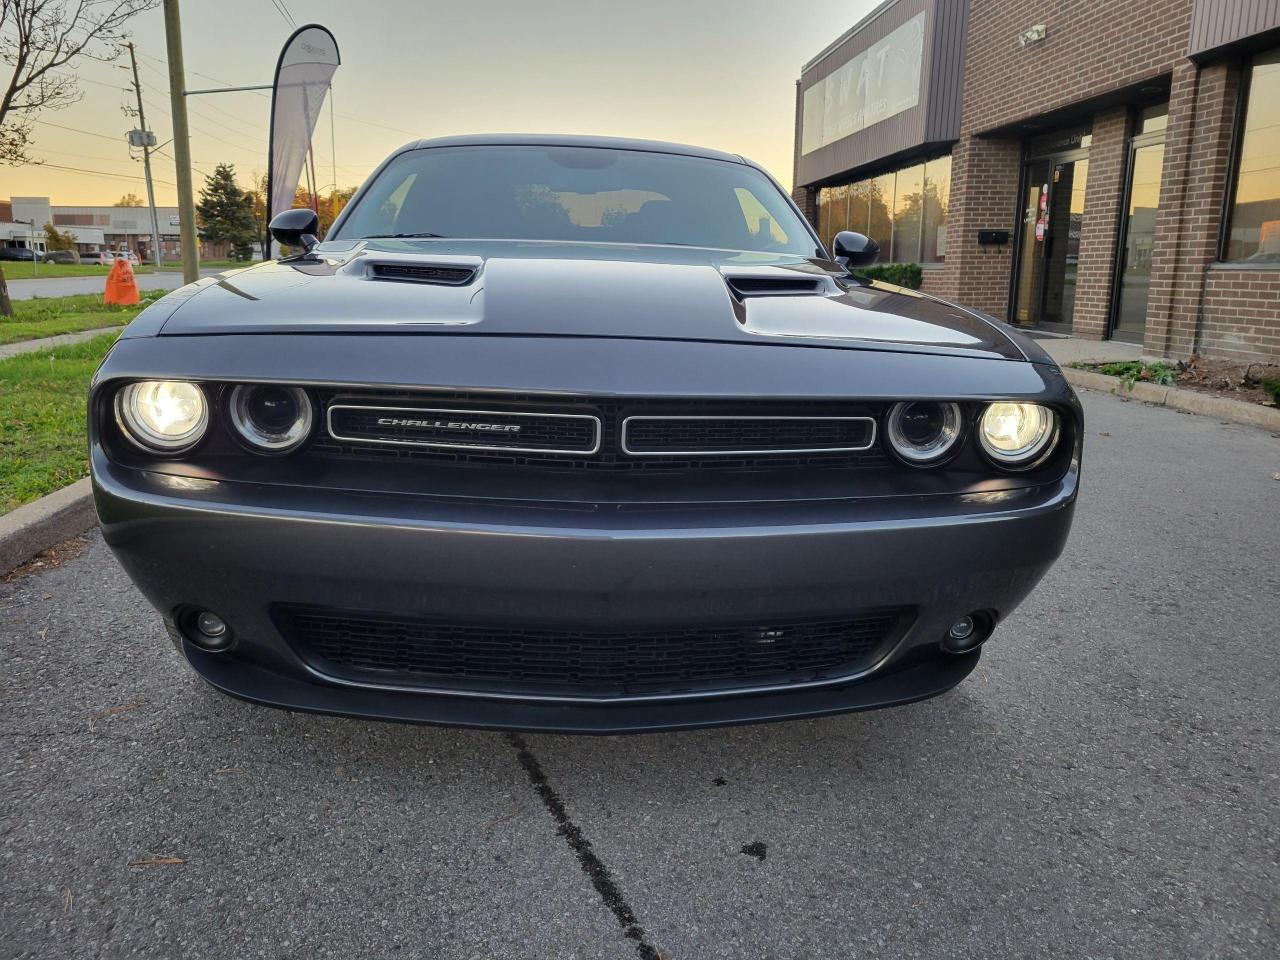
(207,630)
(969,633)
(213,626)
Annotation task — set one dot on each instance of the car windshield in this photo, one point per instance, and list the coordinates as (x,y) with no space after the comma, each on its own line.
(589,194)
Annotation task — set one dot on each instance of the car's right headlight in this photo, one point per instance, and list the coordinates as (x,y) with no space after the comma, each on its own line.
(167,416)
(1017,434)
(924,432)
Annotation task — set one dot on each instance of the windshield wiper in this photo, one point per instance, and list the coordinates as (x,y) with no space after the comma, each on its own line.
(403,236)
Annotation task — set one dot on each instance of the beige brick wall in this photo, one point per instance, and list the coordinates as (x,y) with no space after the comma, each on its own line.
(1241,317)
(1095,47)
(1100,226)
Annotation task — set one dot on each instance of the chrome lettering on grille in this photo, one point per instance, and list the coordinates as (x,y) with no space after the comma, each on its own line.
(450,425)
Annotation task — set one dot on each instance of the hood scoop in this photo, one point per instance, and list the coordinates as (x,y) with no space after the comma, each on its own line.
(757,286)
(447,275)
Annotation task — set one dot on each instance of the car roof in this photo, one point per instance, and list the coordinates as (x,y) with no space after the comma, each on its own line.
(571,140)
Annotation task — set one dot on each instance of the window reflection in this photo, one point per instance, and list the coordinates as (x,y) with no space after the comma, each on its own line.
(904,211)
(1255,210)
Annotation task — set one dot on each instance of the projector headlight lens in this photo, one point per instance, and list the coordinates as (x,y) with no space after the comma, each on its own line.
(1017,434)
(271,418)
(922,432)
(163,415)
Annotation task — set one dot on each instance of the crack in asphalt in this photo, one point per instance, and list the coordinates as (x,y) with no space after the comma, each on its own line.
(591,864)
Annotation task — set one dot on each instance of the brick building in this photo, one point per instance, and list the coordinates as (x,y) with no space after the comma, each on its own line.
(1104,168)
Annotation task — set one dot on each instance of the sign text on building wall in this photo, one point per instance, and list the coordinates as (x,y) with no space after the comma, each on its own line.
(878,83)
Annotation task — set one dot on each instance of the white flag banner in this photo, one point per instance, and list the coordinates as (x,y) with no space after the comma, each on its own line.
(303,74)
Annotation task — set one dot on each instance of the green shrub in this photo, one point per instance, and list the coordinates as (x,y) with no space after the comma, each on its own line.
(1272,387)
(901,274)
(1134,371)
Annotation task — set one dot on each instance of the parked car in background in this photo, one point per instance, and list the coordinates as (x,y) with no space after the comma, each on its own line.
(103,258)
(17,253)
(578,434)
(62,256)
(128,255)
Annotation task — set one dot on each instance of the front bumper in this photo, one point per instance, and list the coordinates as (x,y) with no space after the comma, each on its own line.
(239,549)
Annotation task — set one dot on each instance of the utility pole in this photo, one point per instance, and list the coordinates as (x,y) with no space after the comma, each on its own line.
(147,142)
(181,142)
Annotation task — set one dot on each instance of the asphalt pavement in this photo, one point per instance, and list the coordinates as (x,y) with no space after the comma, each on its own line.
(1105,785)
(67,286)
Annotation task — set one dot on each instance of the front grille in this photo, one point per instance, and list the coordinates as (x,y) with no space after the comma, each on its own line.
(809,438)
(655,436)
(515,660)
(469,430)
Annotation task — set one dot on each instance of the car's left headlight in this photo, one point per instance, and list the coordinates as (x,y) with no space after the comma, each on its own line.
(1017,434)
(163,415)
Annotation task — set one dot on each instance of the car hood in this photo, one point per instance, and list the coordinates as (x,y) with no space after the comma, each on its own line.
(554,289)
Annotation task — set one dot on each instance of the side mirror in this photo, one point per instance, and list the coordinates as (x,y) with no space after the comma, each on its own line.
(296,228)
(852,250)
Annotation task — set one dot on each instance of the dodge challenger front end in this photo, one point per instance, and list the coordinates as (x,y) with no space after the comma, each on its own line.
(579,435)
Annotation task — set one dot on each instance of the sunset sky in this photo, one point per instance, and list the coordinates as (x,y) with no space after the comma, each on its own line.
(718,73)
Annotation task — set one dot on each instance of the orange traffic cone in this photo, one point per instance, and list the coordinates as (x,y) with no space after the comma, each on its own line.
(122,288)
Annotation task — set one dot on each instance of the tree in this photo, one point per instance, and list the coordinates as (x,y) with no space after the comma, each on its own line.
(326,207)
(55,239)
(128,200)
(225,212)
(40,43)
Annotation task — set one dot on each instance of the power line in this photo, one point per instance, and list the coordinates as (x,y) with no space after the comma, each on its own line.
(284,12)
(86,156)
(213,106)
(344,116)
(231,130)
(99,173)
(87,133)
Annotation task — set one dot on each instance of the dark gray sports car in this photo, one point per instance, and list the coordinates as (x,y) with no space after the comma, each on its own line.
(578,434)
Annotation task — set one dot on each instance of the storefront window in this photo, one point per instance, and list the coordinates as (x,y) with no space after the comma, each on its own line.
(1255,208)
(904,211)
(908,214)
(880,223)
(937,197)
(860,207)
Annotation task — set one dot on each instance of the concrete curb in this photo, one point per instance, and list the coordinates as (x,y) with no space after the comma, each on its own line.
(1189,401)
(37,526)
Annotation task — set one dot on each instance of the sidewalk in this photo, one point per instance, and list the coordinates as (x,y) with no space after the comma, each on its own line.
(1067,350)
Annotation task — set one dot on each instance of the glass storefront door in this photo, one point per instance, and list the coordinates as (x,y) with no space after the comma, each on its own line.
(1053,209)
(1133,272)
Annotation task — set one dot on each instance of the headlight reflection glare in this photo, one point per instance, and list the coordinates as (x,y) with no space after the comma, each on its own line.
(1015,434)
(165,415)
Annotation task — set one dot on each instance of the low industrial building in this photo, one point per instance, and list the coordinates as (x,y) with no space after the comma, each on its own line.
(1105,169)
(117,229)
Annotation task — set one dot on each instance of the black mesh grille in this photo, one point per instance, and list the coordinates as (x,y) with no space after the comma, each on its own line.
(681,435)
(611,413)
(386,649)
